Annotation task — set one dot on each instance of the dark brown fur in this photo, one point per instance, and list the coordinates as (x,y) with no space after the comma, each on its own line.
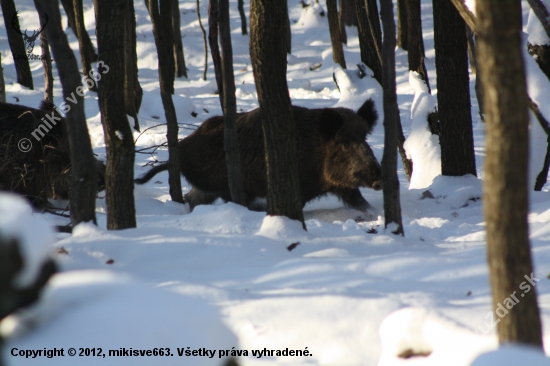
(333,156)
(44,171)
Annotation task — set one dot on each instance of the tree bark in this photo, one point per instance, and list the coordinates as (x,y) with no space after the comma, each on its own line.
(244,31)
(179,58)
(47,65)
(231,142)
(204,40)
(267,51)
(334,28)
(87,53)
(402,26)
(288,43)
(505,186)
(347,13)
(341,22)
(166,90)
(415,43)
(17,46)
(374,25)
(132,89)
(87,46)
(214,47)
(392,203)
(453,91)
(366,41)
(2,83)
(119,176)
(83,179)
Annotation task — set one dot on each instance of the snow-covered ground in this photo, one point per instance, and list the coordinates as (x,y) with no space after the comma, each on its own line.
(221,279)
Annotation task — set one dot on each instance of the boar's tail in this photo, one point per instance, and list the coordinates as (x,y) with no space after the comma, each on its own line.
(369,114)
(151,173)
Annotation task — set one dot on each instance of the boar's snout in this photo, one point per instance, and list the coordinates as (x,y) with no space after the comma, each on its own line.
(377,186)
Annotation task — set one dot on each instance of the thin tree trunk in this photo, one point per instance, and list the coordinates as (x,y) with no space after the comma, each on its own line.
(131,100)
(374,25)
(83,179)
(119,176)
(366,41)
(505,187)
(415,43)
(244,32)
(2,83)
(453,91)
(231,142)
(542,178)
(204,39)
(334,28)
(470,35)
(17,46)
(47,65)
(87,46)
(402,26)
(86,51)
(341,22)
(166,91)
(267,51)
(392,202)
(214,48)
(179,57)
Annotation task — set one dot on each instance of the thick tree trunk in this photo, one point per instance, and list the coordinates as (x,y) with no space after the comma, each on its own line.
(505,187)
(453,91)
(83,179)
(179,58)
(231,142)
(347,13)
(87,53)
(402,26)
(2,83)
(119,176)
(392,203)
(341,22)
(132,89)
(47,65)
(288,35)
(244,31)
(214,47)
(369,56)
(415,43)
(17,46)
(267,51)
(334,28)
(166,90)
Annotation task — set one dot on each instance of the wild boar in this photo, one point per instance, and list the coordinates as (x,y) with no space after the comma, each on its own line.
(333,156)
(34,153)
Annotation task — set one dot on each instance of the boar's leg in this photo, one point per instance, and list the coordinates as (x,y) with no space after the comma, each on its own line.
(199,197)
(351,198)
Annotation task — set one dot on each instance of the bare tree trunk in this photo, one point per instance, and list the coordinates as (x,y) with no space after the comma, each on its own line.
(181,69)
(47,65)
(87,54)
(231,143)
(111,26)
(166,91)
(415,43)
(87,46)
(402,26)
(453,91)
(392,203)
(288,44)
(341,22)
(83,179)
(2,83)
(214,48)
(132,89)
(204,39)
(369,55)
(505,186)
(244,32)
(334,28)
(470,35)
(17,46)
(267,51)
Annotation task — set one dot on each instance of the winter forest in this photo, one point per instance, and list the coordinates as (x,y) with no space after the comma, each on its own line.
(275,182)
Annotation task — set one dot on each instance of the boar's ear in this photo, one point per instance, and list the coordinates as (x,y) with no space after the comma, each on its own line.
(369,114)
(330,123)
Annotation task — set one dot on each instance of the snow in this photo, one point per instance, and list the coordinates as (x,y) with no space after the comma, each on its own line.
(346,291)
(537,34)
